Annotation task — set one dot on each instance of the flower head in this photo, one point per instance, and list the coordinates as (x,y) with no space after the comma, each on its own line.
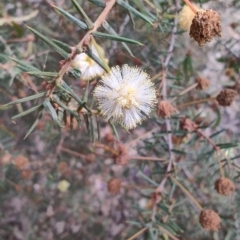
(209,220)
(87,66)
(125,95)
(205,26)
(186,16)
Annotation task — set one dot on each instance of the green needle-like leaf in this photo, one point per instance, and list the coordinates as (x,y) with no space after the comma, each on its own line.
(32,97)
(70,17)
(115,38)
(43,74)
(109,29)
(35,123)
(99,3)
(134,11)
(50,43)
(27,112)
(63,45)
(55,99)
(48,106)
(24,66)
(83,14)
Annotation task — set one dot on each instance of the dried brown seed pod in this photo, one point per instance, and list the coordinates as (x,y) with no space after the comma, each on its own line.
(209,220)
(205,26)
(114,186)
(224,186)
(226,97)
(122,158)
(203,83)
(165,109)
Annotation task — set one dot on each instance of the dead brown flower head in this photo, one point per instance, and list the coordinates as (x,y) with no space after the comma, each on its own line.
(203,83)
(165,109)
(224,186)
(209,220)
(205,26)
(187,124)
(122,158)
(114,186)
(226,97)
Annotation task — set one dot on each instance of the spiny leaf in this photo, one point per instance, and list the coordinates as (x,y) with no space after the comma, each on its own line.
(32,97)
(95,58)
(115,38)
(99,3)
(48,106)
(114,130)
(70,17)
(43,74)
(27,112)
(35,123)
(134,11)
(70,91)
(62,45)
(112,31)
(24,66)
(49,42)
(83,14)
(56,100)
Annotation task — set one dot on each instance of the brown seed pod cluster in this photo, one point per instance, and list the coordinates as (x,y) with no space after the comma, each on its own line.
(205,26)
(203,83)
(224,186)
(226,97)
(165,109)
(209,220)
(114,186)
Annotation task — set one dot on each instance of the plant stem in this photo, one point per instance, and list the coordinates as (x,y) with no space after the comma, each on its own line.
(137,234)
(196,102)
(187,193)
(191,6)
(184,91)
(147,158)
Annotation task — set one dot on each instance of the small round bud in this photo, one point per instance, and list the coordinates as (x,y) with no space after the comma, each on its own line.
(224,186)
(226,97)
(114,186)
(165,109)
(209,220)
(205,26)
(203,83)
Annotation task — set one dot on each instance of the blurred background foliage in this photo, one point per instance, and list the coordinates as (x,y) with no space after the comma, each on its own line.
(53,185)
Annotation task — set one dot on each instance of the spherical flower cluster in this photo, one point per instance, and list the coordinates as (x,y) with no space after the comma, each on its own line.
(125,95)
(87,66)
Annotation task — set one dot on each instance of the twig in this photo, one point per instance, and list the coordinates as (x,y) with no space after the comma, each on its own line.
(137,234)
(191,6)
(85,40)
(187,193)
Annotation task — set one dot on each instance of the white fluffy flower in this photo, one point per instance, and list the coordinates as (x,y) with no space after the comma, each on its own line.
(87,66)
(125,95)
